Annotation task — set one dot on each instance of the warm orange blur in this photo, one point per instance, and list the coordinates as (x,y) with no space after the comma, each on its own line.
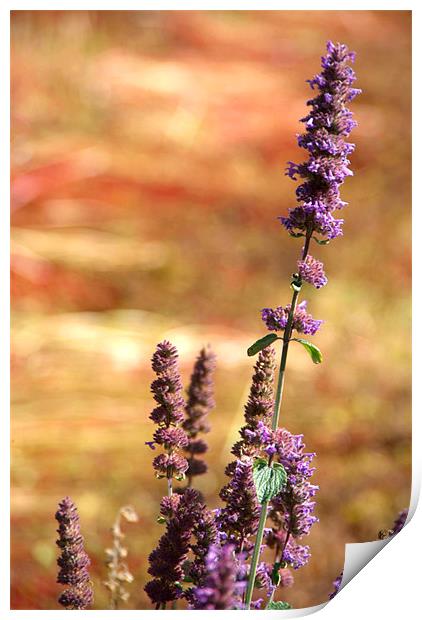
(147,174)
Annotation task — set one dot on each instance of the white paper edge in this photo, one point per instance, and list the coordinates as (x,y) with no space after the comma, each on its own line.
(357,555)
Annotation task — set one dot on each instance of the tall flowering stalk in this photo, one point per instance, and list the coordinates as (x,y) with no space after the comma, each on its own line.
(238,519)
(259,407)
(327,126)
(168,415)
(73,561)
(205,535)
(199,403)
(190,527)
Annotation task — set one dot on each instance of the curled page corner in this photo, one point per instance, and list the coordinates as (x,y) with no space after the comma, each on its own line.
(358,555)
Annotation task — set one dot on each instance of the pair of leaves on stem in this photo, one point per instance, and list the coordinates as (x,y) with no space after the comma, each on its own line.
(264,342)
(319,241)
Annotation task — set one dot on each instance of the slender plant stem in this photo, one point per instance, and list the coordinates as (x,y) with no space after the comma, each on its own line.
(270,600)
(274,423)
(169,487)
(189,480)
(283,361)
(286,340)
(256,554)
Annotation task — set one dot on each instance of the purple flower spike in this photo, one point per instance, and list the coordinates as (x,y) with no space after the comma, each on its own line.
(200,402)
(219,588)
(239,517)
(327,125)
(73,561)
(169,414)
(205,533)
(292,510)
(255,434)
(311,270)
(166,562)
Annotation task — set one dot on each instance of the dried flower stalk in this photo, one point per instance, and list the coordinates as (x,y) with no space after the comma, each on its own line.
(118,571)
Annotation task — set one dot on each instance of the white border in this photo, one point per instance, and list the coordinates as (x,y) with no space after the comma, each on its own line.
(389,585)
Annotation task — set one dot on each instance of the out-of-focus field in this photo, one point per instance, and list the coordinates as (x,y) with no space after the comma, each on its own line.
(147,174)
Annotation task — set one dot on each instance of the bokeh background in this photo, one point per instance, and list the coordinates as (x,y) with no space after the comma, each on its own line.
(148,151)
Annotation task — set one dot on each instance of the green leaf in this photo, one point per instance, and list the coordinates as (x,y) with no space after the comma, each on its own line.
(321,241)
(313,351)
(296,235)
(278,605)
(260,344)
(275,575)
(269,480)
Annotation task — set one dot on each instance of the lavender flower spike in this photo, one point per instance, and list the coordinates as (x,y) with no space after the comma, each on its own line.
(259,408)
(200,403)
(238,519)
(73,561)
(327,125)
(169,414)
(218,591)
(205,534)
(167,561)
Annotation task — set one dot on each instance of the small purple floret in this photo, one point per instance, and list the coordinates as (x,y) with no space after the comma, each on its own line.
(303,322)
(311,270)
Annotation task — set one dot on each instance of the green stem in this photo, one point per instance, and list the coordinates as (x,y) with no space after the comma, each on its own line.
(274,425)
(189,477)
(256,554)
(283,361)
(270,600)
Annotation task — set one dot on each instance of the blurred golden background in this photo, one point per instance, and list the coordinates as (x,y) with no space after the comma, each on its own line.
(148,151)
